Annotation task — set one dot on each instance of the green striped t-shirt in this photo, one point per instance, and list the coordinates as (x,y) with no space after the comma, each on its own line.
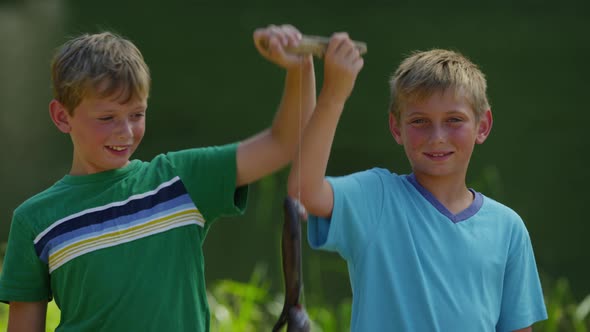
(122,250)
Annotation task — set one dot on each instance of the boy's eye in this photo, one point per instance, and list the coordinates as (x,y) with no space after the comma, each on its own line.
(138,115)
(105,118)
(455,120)
(418,121)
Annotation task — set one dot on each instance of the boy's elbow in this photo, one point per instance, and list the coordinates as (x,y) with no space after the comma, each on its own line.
(295,190)
(313,199)
(310,203)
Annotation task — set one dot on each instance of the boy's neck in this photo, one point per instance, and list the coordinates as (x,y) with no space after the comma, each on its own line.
(449,191)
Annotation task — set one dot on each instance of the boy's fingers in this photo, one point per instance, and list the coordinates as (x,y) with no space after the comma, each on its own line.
(258,36)
(351,52)
(276,45)
(288,35)
(358,64)
(293,35)
(263,36)
(281,34)
(338,42)
(262,40)
(290,28)
(353,55)
(267,42)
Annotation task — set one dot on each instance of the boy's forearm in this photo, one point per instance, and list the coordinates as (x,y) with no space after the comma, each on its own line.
(342,64)
(296,107)
(27,316)
(274,147)
(309,168)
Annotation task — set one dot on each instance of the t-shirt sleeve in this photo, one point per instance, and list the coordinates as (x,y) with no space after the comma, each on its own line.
(522,296)
(24,277)
(209,175)
(358,202)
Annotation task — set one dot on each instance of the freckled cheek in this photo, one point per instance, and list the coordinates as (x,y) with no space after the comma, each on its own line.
(138,132)
(415,137)
(461,136)
(101,133)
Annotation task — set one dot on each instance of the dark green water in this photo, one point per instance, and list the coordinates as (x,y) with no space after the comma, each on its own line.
(211,87)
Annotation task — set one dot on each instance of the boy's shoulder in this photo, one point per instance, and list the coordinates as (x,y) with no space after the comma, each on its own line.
(373,179)
(395,182)
(503,216)
(74,193)
(41,199)
(375,172)
(501,209)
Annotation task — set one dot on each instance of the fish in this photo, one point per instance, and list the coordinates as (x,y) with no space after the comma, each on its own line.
(293,314)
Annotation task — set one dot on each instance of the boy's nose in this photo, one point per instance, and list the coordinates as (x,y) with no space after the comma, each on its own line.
(438,134)
(124,130)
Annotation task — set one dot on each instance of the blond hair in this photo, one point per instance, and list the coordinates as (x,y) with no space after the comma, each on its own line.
(424,73)
(102,65)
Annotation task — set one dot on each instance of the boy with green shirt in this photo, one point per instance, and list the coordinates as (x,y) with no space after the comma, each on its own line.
(117,243)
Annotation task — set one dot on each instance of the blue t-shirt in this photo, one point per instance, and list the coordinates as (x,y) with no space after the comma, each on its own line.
(414,266)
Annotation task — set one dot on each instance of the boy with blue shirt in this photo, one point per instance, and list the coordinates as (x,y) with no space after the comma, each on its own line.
(424,252)
(117,243)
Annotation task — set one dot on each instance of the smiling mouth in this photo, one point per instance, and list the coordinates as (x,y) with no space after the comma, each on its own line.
(438,154)
(117,147)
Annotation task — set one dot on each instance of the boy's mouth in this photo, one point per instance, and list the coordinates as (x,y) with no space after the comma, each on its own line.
(117,147)
(437,154)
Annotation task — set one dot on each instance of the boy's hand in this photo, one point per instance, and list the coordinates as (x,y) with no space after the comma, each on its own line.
(272,41)
(342,63)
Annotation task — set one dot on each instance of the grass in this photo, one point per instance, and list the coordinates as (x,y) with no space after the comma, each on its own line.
(565,314)
(237,306)
(248,306)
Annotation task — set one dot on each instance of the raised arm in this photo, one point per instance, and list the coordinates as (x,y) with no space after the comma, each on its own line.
(274,147)
(27,316)
(307,178)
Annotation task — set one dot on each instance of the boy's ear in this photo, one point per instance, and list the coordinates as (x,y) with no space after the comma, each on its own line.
(394,129)
(485,126)
(60,116)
